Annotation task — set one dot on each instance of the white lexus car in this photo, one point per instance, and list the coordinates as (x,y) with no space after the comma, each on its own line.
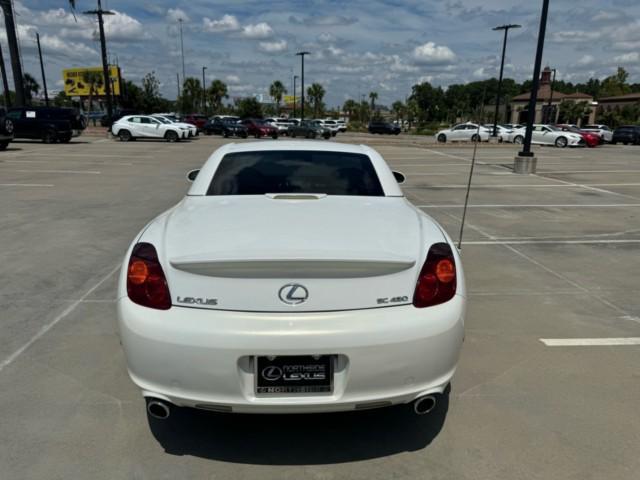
(192,130)
(131,127)
(464,132)
(550,135)
(293,277)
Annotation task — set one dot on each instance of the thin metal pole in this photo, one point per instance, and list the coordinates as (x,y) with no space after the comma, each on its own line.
(178,84)
(5,82)
(204,100)
(44,78)
(495,117)
(14,52)
(302,92)
(295,77)
(526,151)
(553,83)
(182,50)
(105,65)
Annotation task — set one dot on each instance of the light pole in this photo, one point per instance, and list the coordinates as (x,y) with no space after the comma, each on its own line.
(504,49)
(295,77)
(549,112)
(103,46)
(525,162)
(44,78)
(204,98)
(14,51)
(182,50)
(5,82)
(302,54)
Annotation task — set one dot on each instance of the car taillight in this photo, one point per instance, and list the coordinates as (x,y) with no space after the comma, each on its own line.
(146,283)
(437,280)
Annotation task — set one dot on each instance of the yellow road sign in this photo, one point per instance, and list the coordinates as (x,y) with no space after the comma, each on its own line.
(77,81)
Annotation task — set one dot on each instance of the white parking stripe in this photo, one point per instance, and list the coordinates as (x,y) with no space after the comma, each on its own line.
(524,185)
(537,205)
(26,185)
(78,172)
(48,162)
(590,342)
(45,328)
(548,242)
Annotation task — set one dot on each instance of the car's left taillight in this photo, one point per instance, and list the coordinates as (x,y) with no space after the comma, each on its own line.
(437,281)
(146,283)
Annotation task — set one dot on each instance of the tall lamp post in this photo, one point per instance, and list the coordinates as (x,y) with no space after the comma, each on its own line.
(302,54)
(103,46)
(295,78)
(44,78)
(506,29)
(551,116)
(182,50)
(204,89)
(525,162)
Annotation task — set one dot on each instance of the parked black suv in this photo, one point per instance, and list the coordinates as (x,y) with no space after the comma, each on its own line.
(49,124)
(384,127)
(6,129)
(627,134)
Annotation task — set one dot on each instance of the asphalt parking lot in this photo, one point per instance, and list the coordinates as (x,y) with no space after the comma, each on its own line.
(548,257)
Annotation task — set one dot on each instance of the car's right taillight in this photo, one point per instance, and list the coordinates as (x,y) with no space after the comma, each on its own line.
(436,283)
(146,283)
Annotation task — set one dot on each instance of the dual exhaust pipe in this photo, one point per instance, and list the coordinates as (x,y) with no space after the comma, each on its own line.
(161,410)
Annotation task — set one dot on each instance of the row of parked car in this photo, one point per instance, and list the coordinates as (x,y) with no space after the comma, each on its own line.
(559,135)
(48,124)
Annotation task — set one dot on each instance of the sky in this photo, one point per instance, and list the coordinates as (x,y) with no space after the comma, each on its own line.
(356,46)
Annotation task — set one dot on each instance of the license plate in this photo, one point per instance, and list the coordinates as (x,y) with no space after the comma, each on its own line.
(294,374)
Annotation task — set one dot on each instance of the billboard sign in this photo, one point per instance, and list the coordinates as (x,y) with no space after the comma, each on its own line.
(76,85)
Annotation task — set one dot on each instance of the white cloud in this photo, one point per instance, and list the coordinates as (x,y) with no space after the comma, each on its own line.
(326,37)
(586,60)
(430,53)
(575,36)
(123,27)
(627,57)
(176,14)
(273,47)
(228,23)
(259,30)
(232,79)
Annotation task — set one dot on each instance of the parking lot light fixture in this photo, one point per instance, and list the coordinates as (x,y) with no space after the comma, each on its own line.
(525,162)
(204,90)
(506,29)
(302,54)
(295,78)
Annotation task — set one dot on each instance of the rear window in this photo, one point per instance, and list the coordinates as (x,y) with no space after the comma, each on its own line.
(331,173)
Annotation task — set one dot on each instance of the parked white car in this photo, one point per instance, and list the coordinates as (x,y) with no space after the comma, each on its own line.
(602,130)
(464,132)
(145,126)
(282,124)
(342,125)
(512,136)
(549,135)
(192,130)
(262,291)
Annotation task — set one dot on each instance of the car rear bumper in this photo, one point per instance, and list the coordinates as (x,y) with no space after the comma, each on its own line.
(206,358)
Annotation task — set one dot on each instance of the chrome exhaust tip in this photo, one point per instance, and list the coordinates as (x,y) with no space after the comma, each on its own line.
(158,409)
(424,405)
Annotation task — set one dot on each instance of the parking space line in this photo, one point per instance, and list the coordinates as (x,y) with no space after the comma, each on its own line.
(589,171)
(537,205)
(550,242)
(109,163)
(26,185)
(45,328)
(76,172)
(590,342)
(588,187)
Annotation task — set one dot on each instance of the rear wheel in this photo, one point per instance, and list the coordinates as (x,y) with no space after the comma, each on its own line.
(475,137)
(65,139)
(518,139)
(442,138)
(225,134)
(171,136)
(124,135)
(293,135)
(561,142)
(3,145)
(274,136)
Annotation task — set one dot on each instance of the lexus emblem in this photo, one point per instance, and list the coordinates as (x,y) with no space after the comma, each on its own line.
(293,294)
(271,373)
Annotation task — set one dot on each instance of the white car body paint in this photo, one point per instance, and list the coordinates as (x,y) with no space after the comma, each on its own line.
(544,135)
(145,126)
(464,132)
(191,129)
(604,131)
(347,251)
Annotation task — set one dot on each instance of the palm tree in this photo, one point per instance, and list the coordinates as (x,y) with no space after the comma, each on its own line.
(373,96)
(95,80)
(350,106)
(277,90)
(191,94)
(216,92)
(31,86)
(399,109)
(316,94)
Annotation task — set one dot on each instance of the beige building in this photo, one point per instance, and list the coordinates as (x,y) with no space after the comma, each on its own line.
(548,103)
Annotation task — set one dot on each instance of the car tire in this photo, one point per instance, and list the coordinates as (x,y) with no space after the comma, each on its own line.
(49,136)
(3,145)
(225,134)
(65,139)
(274,136)
(171,136)
(561,142)
(613,143)
(333,134)
(518,139)
(293,135)
(257,135)
(326,136)
(244,135)
(124,135)
(475,138)
(442,138)
(625,143)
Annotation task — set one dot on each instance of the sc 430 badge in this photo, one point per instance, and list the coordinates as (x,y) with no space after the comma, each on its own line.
(197,300)
(387,300)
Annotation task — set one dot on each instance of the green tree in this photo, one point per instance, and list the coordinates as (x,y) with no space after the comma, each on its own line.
(61,100)
(572,112)
(31,87)
(399,109)
(429,102)
(191,95)
(95,80)
(216,92)
(350,107)
(150,93)
(616,84)
(249,107)
(316,94)
(132,96)
(373,96)
(277,90)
